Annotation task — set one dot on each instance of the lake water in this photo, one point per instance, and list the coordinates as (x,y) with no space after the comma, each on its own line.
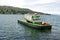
(11,30)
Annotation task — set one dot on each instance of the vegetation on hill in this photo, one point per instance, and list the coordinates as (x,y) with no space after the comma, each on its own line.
(15,10)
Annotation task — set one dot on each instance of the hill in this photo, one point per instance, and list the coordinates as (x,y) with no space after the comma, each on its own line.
(15,10)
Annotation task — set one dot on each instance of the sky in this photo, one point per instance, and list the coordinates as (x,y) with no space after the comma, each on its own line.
(45,6)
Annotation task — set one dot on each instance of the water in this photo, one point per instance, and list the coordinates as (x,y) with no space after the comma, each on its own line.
(11,30)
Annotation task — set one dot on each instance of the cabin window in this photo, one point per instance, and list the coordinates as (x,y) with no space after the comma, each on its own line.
(36,17)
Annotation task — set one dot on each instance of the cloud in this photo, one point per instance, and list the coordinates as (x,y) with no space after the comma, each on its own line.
(12,2)
(32,2)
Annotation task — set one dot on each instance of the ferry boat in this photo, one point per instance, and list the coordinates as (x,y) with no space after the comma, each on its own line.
(34,21)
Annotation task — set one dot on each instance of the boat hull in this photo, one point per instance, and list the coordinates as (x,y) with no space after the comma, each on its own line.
(39,27)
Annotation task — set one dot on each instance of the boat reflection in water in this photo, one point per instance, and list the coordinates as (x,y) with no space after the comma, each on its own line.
(34,34)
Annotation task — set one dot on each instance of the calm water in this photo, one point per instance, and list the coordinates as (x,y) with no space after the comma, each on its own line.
(11,30)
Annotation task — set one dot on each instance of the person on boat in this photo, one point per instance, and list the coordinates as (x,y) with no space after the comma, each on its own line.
(45,23)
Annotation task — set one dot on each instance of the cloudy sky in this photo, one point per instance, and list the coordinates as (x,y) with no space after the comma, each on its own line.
(46,6)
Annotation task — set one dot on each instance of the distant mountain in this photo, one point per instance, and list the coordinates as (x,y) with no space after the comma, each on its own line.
(15,10)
